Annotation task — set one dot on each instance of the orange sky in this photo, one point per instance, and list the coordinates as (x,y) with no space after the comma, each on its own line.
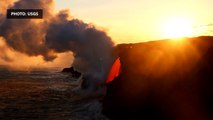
(125,21)
(138,20)
(14,60)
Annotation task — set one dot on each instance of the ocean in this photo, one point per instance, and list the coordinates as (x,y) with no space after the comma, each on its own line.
(44,95)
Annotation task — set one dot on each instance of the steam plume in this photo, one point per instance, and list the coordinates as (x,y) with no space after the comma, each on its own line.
(93,50)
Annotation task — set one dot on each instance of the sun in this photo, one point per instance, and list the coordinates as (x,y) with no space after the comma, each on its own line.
(177,27)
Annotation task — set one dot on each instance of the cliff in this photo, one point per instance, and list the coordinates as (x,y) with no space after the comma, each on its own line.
(165,79)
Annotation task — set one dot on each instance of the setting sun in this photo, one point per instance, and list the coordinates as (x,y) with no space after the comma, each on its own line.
(177,27)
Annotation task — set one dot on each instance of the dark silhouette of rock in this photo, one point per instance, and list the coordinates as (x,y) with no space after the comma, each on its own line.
(71,70)
(163,80)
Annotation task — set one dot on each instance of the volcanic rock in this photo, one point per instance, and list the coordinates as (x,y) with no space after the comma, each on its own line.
(163,80)
(71,70)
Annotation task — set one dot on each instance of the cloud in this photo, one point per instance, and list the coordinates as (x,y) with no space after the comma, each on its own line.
(56,33)
(19,61)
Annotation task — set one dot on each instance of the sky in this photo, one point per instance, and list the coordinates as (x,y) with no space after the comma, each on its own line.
(126,21)
(138,20)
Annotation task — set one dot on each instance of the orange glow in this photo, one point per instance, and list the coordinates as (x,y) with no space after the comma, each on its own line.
(18,61)
(115,70)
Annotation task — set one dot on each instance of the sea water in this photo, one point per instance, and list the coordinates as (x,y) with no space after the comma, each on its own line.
(44,95)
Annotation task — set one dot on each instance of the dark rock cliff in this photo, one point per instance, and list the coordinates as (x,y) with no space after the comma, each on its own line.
(163,80)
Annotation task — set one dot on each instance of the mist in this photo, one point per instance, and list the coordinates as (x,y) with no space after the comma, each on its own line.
(47,41)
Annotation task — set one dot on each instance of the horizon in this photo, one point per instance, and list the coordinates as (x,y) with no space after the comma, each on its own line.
(106,59)
(137,21)
(122,21)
